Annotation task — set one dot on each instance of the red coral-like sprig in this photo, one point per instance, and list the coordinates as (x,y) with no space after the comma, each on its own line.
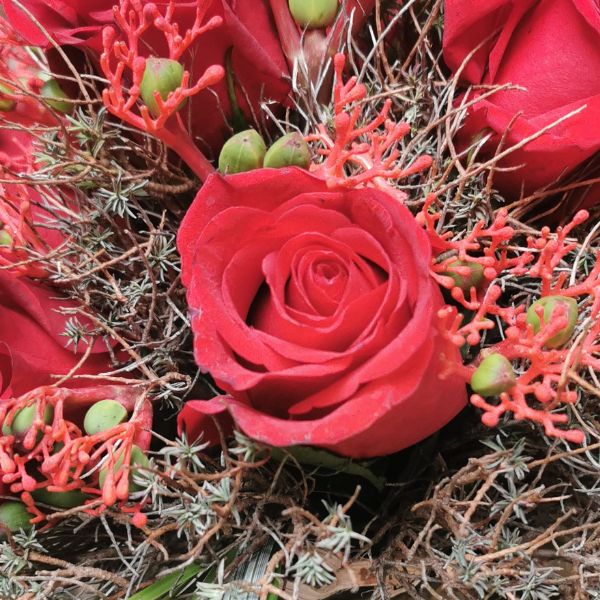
(122,60)
(543,370)
(358,156)
(59,457)
(20,240)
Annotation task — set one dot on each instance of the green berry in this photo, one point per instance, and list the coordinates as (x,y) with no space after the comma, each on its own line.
(244,151)
(104,415)
(14,516)
(23,420)
(549,304)
(6,104)
(55,96)
(162,75)
(313,14)
(493,376)
(463,281)
(5,237)
(65,500)
(137,458)
(288,151)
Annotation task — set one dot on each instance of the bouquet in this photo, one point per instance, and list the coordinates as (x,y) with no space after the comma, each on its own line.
(299,299)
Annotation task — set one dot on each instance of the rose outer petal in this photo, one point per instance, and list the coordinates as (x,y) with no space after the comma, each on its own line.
(377,421)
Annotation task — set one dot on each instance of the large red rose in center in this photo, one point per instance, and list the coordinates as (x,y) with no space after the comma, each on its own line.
(314,309)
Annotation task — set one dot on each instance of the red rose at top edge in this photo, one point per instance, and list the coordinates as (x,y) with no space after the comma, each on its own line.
(314,309)
(549,47)
(32,347)
(258,63)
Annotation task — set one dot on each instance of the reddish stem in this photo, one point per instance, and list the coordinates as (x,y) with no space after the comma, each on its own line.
(179,140)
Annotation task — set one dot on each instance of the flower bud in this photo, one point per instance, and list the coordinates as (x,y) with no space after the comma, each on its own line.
(6,104)
(65,500)
(493,376)
(5,237)
(55,97)
(138,458)
(162,75)
(23,420)
(104,415)
(549,305)
(313,14)
(288,151)
(14,516)
(244,151)
(463,281)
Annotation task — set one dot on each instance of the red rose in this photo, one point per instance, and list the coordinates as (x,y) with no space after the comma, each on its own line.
(314,309)
(32,344)
(258,63)
(550,47)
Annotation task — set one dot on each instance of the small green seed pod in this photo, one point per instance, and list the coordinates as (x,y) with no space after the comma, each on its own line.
(549,304)
(466,282)
(313,14)
(493,376)
(14,516)
(162,75)
(242,152)
(55,96)
(5,238)
(288,151)
(138,458)
(104,415)
(6,104)
(65,500)
(23,420)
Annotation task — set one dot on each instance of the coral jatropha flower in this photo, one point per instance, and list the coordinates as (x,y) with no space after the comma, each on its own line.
(536,338)
(45,454)
(42,445)
(229,56)
(206,37)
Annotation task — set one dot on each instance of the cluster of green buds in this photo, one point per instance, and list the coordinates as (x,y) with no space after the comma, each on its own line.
(246,151)
(314,14)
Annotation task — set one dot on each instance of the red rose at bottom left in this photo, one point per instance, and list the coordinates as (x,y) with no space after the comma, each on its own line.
(314,309)
(32,344)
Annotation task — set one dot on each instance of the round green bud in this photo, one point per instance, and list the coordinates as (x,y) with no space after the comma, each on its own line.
(288,151)
(549,305)
(463,281)
(55,96)
(137,458)
(313,14)
(162,75)
(6,104)
(104,415)
(14,516)
(23,420)
(493,376)
(5,238)
(244,151)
